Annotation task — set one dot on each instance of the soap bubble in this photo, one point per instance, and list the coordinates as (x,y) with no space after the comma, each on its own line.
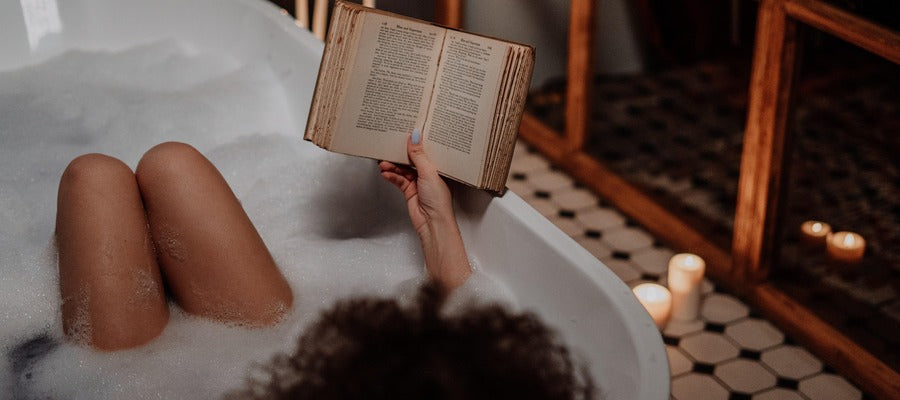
(334,228)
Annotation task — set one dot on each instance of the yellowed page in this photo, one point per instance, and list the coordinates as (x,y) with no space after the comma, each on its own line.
(462,107)
(389,87)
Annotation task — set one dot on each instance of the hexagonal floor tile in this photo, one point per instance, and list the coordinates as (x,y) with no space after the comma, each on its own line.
(568,225)
(791,362)
(722,308)
(829,386)
(623,269)
(695,386)
(676,328)
(653,260)
(545,207)
(707,287)
(678,362)
(521,188)
(754,334)
(628,239)
(601,218)
(778,394)
(575,199)
(745,376)
(708,347)
(549,180)
(594,246)
(525,162)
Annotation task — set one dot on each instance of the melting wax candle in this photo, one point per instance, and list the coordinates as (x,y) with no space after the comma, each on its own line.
(814,233)
(685,275)
(657,300)
(846,247)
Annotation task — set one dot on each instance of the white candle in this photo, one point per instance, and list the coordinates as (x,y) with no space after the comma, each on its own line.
(657,300)
(846,247)
(813,233)
(685,274)
(369,3)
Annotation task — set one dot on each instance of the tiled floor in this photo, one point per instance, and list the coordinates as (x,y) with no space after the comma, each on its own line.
(730,352)
(677,134)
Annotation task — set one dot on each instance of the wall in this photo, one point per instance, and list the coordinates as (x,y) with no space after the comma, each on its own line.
(544,25)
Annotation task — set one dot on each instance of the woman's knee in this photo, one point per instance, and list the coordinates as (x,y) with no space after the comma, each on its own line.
(95,170)
(108,277)
(168,160)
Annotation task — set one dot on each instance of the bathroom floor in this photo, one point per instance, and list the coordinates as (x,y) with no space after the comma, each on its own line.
(731,352)
(677,135)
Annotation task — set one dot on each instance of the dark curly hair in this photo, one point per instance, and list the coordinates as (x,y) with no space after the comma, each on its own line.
(377,349)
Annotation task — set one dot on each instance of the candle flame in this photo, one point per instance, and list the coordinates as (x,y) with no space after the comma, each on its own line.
(817,227)
(648,292)
(690,261)
(849,240)
(653,294)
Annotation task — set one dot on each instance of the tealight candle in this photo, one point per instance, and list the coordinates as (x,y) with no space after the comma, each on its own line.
(657,300)
(814,233)
(846,247)
(685,275)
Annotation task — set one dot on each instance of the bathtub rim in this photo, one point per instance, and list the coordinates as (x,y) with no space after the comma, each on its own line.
(649,382)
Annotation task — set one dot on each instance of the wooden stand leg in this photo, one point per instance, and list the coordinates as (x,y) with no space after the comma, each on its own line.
(762,162)
(579,73)
(449,13)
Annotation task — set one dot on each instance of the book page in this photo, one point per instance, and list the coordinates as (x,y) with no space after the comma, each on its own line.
(389,87)
(462,108)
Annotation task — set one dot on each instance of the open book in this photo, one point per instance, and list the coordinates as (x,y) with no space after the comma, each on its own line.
(384,74)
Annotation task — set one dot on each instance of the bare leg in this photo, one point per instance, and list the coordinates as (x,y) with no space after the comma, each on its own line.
(108,277)
(211,255)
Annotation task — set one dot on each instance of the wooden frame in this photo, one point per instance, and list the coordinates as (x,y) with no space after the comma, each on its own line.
(766,146)
(449,13)
(766,150)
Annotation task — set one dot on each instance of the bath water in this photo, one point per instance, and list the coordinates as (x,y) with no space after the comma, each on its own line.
(333,226)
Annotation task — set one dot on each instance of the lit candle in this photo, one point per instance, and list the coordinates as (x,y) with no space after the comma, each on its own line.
(657,300)
(846,247)
(685,275)
(813,233)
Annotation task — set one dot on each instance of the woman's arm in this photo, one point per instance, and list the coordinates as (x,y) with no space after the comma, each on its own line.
(430,209)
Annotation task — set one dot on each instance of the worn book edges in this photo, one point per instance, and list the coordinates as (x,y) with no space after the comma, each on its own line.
(384,74)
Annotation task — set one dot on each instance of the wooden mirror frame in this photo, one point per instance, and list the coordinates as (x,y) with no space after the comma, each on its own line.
(766,152)
(745,268)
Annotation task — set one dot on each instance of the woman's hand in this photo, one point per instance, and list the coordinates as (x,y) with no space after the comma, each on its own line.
(430,209)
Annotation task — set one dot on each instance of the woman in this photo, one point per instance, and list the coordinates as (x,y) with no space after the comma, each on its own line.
(123,237)
(120,235)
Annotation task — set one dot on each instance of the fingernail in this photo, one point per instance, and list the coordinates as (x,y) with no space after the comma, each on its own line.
(416,136)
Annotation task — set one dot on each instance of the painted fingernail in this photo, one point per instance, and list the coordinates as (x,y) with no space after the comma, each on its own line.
(416,136)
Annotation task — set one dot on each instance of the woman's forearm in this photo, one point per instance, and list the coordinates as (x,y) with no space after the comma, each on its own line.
(445,253)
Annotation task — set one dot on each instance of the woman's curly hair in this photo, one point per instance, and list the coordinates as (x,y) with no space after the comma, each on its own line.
(377,349)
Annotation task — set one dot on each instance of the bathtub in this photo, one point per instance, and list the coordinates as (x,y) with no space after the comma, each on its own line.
(542,268)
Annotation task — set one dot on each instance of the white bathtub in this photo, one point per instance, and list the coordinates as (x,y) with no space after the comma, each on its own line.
(544,269)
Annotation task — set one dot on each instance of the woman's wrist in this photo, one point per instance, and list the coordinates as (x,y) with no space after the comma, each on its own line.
(445,253)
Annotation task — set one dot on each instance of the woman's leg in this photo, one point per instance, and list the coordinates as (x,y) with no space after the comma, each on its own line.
(213,259)
(112,294)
